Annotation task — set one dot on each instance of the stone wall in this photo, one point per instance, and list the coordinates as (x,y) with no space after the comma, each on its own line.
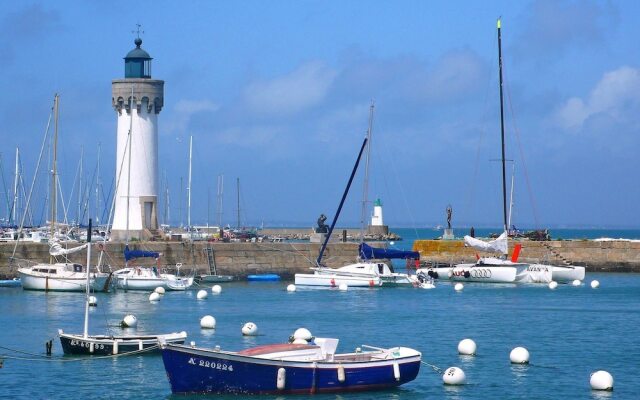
(614,256)
(238,259)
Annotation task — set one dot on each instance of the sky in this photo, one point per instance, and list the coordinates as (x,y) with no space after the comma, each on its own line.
(277,94)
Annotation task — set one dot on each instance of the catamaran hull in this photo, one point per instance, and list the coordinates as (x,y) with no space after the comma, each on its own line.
(564,274)
(107,345)
(519,273)
(79,284)
(336,280)
(205,371)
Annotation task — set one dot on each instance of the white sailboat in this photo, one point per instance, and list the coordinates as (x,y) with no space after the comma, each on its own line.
(110,344)
(143,277)
(59,276)
(494,269)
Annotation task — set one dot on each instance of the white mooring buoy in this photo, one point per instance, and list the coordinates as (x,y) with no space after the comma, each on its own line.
(291,288)
(519,355)
(159,290)
(601,380)
(595,284)
(344,287)
(93,301)
(202,294)
(207,322)
(250,329)
(129,321)
(154,296)
(553,285)
(458,287)
(302,333)
(467,347)
(454,376)
(576,282)
(217,289)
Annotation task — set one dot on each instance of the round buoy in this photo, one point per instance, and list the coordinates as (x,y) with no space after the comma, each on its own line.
(93,301)
(519,355)
(202,294)
(454,376)
(159,290)
(129,321)
(291,288)
(595,284)
(216,289)
(601,380)
(154,296)
(467,347)
(458,287)
(250,329)
(576,282)
(343,287)
(553,285)
(208,322)
(302,333)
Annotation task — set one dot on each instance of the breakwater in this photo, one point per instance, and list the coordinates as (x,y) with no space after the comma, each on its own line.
(608,256)
(237,259)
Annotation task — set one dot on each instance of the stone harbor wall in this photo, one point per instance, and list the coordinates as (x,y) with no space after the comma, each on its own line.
(238,259)
(611,256)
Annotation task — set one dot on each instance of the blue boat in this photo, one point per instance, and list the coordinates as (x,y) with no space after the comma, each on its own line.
(263,277)
(15,282)
(287,368)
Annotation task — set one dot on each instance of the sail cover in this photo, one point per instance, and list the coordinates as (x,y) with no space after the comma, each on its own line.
(56,249)
(131,254)
(368,253)
(498,245)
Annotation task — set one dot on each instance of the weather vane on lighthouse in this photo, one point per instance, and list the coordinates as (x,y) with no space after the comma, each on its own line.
(138,31)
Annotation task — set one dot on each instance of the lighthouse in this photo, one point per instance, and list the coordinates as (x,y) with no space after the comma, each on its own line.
(377,224)
(137,100)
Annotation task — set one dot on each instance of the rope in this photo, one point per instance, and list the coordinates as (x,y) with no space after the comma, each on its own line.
(59,359)
(436,369)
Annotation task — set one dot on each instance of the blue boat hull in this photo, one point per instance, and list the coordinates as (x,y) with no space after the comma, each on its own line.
(263,277)
(213,372)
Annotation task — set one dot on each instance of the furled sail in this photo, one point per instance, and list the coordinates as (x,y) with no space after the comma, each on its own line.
(498,245)
(131,254)
(56,249)
(368,253)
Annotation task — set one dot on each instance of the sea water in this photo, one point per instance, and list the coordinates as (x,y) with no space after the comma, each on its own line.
(570,332)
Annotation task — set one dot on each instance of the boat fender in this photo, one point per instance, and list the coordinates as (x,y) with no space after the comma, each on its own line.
(467,274)
(341,375)
(115,346)
(282,378)
(140,345)
(396,371)
(91,347)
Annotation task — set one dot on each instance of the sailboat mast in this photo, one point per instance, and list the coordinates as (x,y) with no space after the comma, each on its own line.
(189,185)
(78,217)
(504,173)
(238,200)
(344,196)
(220,198)
(54,172)
(15,185)
(365,185)
(98,183)
(87,293)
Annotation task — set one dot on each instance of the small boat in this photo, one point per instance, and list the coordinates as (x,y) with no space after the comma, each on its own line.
(324,278)
(15,282)
(263,277)
(287,368)
(147,278)
(63,277)
(109,344)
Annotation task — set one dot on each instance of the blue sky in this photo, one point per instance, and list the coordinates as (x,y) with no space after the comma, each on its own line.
(277,93)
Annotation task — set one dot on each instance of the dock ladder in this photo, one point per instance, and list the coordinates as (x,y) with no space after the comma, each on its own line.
(211,260)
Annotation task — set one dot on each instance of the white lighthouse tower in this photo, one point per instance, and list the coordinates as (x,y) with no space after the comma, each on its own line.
(377,224)
(137,100)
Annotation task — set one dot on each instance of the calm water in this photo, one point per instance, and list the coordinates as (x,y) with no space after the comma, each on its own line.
(570,332)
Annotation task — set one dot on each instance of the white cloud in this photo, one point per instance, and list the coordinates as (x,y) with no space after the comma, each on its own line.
(304,87)
(612,95)
(183,111)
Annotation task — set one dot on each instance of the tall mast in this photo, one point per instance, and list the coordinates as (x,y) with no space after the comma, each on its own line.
(54,172)
(219,199)
(98,183)
(86,304)
(238,201)
(504,173)
(78,217)
(365,185)
(15,185)
(189,185)
(129,162)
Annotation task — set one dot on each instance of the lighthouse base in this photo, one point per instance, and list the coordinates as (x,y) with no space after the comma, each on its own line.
(378,230)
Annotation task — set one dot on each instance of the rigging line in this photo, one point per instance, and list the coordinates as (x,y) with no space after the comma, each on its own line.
(6,193)
(81,359)
(524,164)
(87,192)
(24,194)
(73,189)
(35,175)
(64,208)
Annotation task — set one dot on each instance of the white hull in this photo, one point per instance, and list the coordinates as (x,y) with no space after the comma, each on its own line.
(483,271)
(564,274)
(368,270)
(147,279)
(77,283)
(332,280)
